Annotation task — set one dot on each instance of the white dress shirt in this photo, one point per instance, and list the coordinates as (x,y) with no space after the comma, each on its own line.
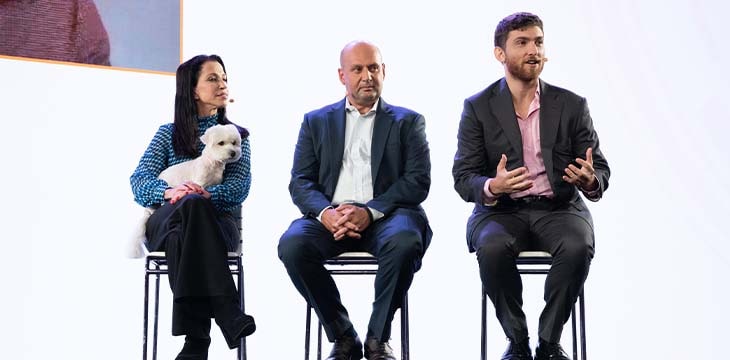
(355,183)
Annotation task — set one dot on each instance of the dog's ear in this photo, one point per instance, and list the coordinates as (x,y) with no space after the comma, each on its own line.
(204,138)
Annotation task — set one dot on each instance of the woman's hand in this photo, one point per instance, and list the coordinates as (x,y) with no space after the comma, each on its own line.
(188,187)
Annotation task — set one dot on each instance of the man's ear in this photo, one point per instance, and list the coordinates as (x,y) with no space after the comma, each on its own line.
(341,75)
(499,54)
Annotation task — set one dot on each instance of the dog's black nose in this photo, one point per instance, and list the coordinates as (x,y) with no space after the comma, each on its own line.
(233,154)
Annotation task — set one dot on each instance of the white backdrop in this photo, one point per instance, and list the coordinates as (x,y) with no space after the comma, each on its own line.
(655,80)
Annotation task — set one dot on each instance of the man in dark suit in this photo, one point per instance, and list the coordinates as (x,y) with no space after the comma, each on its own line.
(361,169)
(525,151)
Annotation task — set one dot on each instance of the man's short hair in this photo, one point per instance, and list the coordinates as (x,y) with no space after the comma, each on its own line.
(515,21)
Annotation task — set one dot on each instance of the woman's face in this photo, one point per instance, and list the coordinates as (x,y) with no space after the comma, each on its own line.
(211,92)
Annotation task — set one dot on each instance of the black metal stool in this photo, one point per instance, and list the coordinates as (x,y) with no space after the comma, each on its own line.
(156,264)
(538,262)
(365,264)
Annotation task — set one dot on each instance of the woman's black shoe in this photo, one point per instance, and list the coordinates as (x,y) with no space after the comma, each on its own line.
(194,349)
(233,330)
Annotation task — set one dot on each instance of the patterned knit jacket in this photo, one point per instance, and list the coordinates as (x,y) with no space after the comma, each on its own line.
(148,190)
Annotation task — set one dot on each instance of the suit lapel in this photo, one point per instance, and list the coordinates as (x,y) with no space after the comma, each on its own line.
(504,111)
(383,122)
(336,135)
(549,121)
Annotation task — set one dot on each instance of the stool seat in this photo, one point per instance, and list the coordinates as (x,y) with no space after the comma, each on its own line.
(535,254)
(161,254)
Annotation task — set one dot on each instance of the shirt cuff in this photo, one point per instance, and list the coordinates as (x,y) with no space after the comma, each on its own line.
(592,195)
(376,214)
(488,199)
(319,217)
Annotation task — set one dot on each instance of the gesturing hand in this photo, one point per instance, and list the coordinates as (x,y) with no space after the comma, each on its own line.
(585,177)
(508,182)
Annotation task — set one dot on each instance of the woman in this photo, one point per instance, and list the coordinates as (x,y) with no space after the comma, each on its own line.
(194,225)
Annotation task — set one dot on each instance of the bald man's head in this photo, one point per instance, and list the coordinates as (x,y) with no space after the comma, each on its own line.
(359,44)
(362,72)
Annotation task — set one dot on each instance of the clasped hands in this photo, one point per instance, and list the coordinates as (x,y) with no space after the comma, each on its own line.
(512,181)
(178,192)
(346,220)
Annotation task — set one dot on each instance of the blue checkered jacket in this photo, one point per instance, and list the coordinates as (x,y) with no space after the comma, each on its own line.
(148,189)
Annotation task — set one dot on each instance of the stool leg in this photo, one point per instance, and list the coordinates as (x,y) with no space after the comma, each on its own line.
(484,323)
(157,311)
(306,332)
(581,304)
(575,340)
(405,351)
(146,312)
(319,340)
(239,265)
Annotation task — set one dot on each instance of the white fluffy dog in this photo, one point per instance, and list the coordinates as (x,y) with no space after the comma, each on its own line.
(222,146)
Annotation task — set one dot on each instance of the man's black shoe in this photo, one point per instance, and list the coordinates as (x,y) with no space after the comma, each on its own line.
(346,348)
(518,350)
(550,351)
(377,350)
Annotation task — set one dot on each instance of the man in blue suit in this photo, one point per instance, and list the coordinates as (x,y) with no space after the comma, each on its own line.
(526,152)
(361,170)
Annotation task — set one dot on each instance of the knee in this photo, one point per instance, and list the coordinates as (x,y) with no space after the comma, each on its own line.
(406,244)
(292,248)
(194,201)
(576,250)
(494,250)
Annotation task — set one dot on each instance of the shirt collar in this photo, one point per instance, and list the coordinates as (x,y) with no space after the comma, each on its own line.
(534,104)
(350,108)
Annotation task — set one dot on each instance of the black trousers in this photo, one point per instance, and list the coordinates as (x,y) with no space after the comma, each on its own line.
(398,240)
(196,239)
(558,230)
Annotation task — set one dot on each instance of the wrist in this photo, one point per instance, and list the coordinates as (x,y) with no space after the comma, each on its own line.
(370,215)
(490,190)
(591,185)
(321,213)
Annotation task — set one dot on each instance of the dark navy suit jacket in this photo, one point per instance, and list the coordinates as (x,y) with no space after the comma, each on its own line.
(401,166)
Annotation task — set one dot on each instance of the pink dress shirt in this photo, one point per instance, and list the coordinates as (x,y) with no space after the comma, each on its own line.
(531,154)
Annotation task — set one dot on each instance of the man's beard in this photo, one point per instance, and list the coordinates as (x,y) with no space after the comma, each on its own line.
(518,70)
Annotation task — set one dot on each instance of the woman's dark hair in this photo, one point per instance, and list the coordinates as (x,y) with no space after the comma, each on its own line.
(185,130)
(515,21)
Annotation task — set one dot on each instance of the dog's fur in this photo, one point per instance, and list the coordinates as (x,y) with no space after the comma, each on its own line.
(222,146)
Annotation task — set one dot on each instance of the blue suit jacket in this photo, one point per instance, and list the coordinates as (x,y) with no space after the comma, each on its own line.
(401,166)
